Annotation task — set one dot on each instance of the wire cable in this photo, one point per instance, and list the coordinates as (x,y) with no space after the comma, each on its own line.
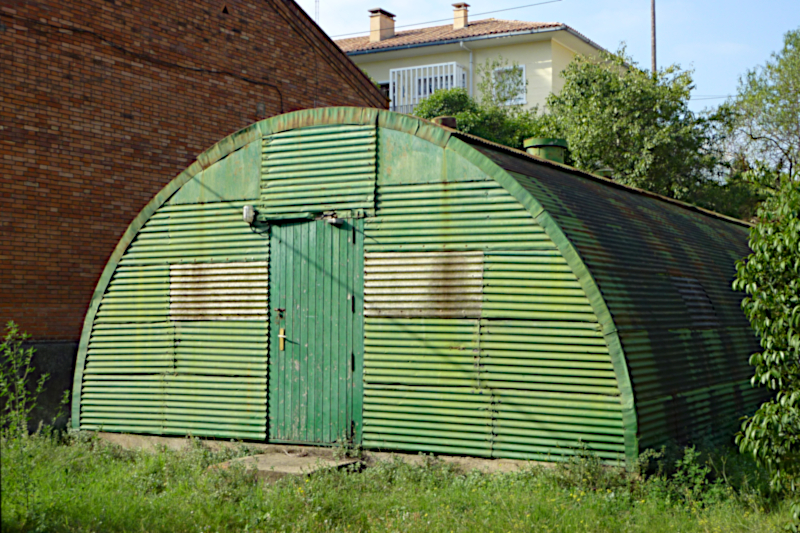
(338,66)
(709,97)
(448,19)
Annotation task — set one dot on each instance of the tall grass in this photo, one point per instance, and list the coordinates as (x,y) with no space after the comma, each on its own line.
(80,483)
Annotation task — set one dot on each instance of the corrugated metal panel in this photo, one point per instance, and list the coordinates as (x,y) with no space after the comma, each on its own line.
(315,382)
(137,293)
(665,273)
(457,216)
(554,386)
(701,309)
(528,377)
(179,343)
(231,348)
(659,425)
(546,361)
(537,285)
(196,234)
(163,403)
(427,284)
(422,386)
(311,170)
(219,291)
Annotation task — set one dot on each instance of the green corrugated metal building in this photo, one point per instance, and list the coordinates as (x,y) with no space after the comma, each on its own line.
(409,287)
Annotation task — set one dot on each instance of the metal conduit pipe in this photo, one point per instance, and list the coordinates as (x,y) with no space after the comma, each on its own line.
(461,43)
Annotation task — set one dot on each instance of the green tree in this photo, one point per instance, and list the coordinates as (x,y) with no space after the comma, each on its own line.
(765,113)
(617,116)
(771,278)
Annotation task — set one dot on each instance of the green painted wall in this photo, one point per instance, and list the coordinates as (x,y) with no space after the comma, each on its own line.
(179,342)
(479,339)
(236,177)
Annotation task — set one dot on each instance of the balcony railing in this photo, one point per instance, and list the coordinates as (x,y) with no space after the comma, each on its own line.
(409,86)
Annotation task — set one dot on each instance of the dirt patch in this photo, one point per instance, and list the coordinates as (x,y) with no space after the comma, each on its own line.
(298,460)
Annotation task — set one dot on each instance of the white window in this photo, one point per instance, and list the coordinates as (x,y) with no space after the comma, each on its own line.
(409,86)
(511,84)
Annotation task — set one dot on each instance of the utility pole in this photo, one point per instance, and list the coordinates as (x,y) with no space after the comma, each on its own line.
(653,32)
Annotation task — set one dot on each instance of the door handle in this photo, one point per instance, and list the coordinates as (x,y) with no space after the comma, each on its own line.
(282,337)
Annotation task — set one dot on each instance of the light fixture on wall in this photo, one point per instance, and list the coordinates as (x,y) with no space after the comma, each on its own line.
(248,214)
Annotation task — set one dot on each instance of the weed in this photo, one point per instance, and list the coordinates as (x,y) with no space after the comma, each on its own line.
(690,479)
(344,448)
(18,395)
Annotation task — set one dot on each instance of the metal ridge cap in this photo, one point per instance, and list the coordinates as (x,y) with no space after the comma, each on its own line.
(459,39)
(607,181)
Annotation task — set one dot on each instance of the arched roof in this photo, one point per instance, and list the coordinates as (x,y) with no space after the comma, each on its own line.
(605,231)
(665,271)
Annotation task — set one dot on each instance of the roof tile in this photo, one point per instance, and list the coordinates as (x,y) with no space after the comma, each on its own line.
(443,33)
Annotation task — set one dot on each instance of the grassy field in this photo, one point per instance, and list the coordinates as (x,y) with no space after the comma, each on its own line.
(83,484)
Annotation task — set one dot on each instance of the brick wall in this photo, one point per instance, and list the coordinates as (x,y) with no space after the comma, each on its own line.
(103,102)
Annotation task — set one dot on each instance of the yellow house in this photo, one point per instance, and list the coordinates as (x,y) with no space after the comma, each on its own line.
(412,64)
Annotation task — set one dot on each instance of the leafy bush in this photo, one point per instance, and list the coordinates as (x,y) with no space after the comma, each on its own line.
(17,394)
(495,116)
(771,278)
(507,125)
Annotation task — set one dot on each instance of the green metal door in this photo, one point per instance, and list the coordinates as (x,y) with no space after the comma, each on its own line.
(316,288)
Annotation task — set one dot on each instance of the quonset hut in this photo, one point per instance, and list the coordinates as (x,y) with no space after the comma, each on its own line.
(349,273)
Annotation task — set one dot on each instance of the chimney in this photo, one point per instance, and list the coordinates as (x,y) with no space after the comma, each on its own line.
(551,149)
(460,16)
(381,25)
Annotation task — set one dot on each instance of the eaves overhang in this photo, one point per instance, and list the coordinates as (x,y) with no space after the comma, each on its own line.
(534,31)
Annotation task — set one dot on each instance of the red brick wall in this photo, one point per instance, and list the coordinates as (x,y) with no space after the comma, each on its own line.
(103,102)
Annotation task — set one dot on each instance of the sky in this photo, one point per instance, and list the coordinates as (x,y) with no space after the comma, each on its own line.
(719,40)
